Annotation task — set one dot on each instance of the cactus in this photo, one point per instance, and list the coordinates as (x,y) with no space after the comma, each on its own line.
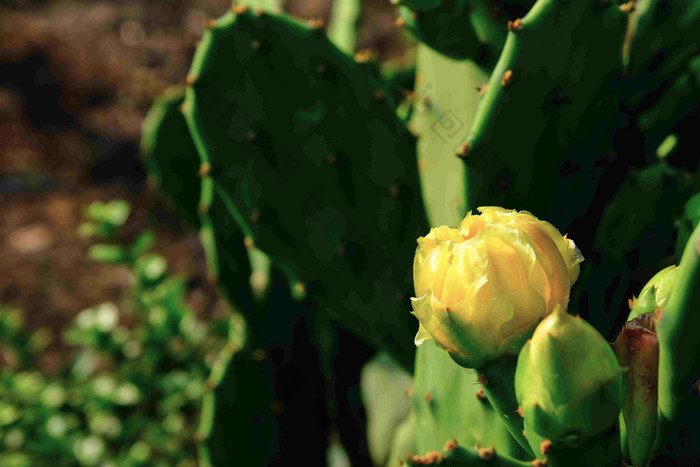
(272,104)
(444,396)
(678,344)
(462,29)
(170,155)
(340,226)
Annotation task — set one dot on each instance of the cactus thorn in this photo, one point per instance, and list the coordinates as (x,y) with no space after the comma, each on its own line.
(507,78)
(516,25)
(276,407)
(481,89)
(363,56)
(628,7)
(539,463)
(204,169)
(463,150)
(428,397)
(450,445)
(240,9)
(697,246)
(430,457)
(519,411)
(209,23)
(190,80)
(400,22)
(487,453)
(483,380)
(300,288)
(259,12)
(252,136)
(481,395)
(259,355)
(409,392)
(248,242)
(658,314)
(524,434)
(545,447)
(209,385)
(316,23)
(199,438)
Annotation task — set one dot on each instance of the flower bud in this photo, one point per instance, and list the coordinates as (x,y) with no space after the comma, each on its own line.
(482,288)
(637,349)
(568,381)
(655,293)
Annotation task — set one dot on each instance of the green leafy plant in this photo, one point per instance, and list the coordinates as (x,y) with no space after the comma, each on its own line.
(132,391)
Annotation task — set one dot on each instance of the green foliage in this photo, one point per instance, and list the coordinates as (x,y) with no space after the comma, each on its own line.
(132,392)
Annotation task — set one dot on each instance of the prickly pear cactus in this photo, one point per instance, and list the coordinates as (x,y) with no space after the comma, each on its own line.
(460,29)
(260,143)
(170,155)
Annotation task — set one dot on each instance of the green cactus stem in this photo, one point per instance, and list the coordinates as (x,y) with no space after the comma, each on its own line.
(496,379)
(170,154)
(549,105)
(679,348)
(454,455)
(444,396)
(460,29)
(258,164)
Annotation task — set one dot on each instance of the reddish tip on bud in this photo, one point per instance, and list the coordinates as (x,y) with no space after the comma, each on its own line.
(637,349)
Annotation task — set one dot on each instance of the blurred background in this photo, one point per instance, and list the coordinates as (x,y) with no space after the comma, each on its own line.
(76,80)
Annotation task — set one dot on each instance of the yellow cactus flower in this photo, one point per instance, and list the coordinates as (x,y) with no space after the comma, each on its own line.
(483,287)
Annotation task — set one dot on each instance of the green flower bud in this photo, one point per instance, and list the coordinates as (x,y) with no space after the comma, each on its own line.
(637,349)
(568,381)
(655,294)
